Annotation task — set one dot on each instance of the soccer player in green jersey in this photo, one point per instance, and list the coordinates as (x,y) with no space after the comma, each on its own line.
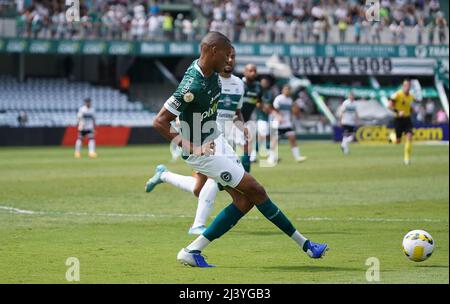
(228,116)
(252,100)
(262,114)
(195,102)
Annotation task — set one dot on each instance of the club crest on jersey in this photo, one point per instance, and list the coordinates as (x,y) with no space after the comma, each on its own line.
(226,176)
(188,97)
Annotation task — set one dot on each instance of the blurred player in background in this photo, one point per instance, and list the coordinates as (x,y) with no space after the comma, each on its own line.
(86,127)
(252,99)
(348,120)
(263,112)
(283,108)
(401,103)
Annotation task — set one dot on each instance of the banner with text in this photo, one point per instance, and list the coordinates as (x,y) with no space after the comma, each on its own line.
(151,48)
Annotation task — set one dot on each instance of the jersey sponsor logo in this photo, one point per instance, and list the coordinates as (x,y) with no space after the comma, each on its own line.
(188,97)
(211,111)
(225,115)
(227,101)
(226,176)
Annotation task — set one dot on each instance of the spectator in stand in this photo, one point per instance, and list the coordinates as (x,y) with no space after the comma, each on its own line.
(393,28)
(326,29)
(376,32)
(441,117)
(281,27)
(178,27)
(429,111)
(401,32)
(357,28)
(167,25)
(154,23)
(188,30)
(138,25)
(317,30)
(420,30)
(441,24)
(431,29)
(240,20)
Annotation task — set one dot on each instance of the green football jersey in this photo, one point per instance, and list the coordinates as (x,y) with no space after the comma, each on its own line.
(252,95)
(267,99)
(195,102)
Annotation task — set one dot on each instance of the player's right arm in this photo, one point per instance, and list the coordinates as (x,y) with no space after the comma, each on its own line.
(162,124)
(172,108)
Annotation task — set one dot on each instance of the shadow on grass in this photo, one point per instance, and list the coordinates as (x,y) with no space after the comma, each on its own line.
(310,268)
(275,232)
(432,266)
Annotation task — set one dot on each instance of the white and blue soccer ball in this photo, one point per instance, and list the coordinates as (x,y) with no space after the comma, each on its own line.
(418,245)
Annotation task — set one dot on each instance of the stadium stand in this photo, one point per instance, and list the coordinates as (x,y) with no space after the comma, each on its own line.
(317,25)
(55,102)
(303,21)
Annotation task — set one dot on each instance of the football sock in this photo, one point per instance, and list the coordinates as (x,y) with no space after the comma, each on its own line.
(296,152)
(199,244)
(272,156)
(226,219)
(273,214)
(186,183)
(78,145)
(91,145)
(408,150)
(253,155)
(245,160)
(345,141)
(299,239)
(205,202)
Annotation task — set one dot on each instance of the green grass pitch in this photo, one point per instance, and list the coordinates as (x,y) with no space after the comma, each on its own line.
(53,206)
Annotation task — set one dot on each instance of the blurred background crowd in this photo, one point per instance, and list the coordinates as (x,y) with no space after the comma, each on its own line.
(291,21)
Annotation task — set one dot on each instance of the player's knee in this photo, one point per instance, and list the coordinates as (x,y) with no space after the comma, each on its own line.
(258,192)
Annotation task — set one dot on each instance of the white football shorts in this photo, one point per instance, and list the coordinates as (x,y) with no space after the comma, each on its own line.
(224,166)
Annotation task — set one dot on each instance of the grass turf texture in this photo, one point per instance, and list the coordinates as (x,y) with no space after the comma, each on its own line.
(96,210)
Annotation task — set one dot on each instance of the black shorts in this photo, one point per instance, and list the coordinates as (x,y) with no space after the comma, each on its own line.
(347,130)
(247,111)
(283,131)
(402,125)
(88,133)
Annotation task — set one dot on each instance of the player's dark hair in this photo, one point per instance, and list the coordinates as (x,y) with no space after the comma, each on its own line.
(86,100)
(215,38)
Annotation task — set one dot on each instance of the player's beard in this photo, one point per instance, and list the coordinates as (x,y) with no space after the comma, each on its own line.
(228,70)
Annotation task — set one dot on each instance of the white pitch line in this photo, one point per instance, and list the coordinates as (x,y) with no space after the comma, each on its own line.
(149,215)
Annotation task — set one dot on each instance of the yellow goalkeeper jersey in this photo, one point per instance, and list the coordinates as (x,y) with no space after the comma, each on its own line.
(402,102)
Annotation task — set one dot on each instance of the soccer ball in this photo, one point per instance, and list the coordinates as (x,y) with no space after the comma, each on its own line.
(418,245)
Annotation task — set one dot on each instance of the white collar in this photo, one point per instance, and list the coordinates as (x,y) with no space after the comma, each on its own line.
(197,67)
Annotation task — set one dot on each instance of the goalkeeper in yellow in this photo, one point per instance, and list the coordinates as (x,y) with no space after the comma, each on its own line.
(401,103)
